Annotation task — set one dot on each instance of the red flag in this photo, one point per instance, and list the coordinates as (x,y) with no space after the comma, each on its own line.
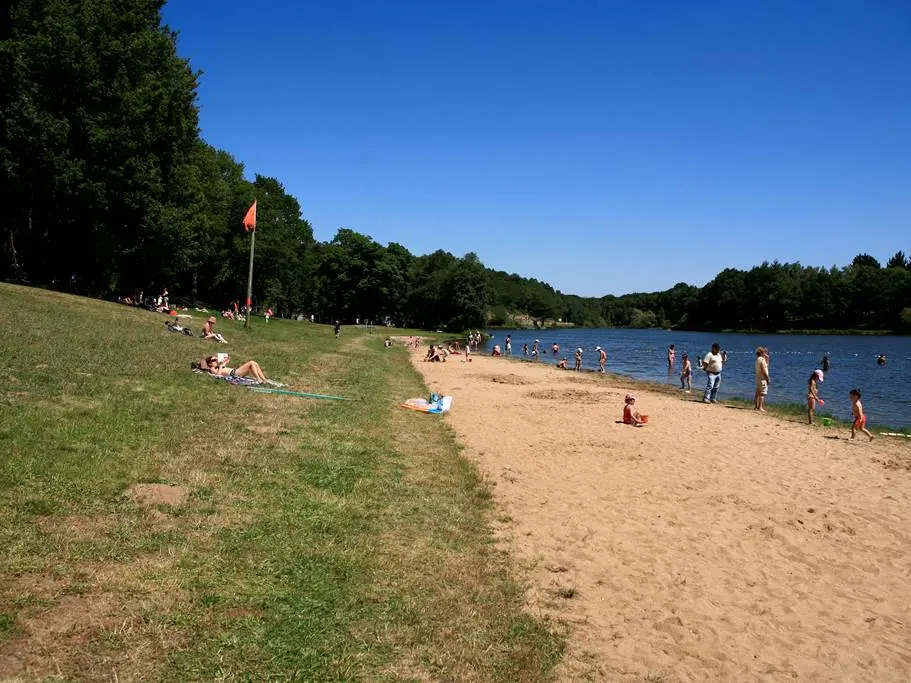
(250,218)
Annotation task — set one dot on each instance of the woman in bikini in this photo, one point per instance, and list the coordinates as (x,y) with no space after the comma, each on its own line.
(218,366)
(813,394)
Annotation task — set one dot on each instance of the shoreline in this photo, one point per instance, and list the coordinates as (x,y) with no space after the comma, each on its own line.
(850,332)
(781,410)
(659,546)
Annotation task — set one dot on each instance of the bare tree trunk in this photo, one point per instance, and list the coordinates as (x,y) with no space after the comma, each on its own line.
(14,256)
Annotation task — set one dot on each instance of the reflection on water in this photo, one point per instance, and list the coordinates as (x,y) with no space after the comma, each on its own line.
(642,354)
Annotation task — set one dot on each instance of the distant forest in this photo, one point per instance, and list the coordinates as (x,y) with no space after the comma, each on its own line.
(109,190)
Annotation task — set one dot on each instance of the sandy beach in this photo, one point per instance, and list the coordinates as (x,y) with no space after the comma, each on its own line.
(713,544)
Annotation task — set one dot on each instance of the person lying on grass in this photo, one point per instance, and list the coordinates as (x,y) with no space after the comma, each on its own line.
(218,365)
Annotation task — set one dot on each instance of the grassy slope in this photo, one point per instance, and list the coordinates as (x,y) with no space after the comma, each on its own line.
(317,540)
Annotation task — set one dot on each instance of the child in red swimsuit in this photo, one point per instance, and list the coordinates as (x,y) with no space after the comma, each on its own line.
(631,416)
(860,420)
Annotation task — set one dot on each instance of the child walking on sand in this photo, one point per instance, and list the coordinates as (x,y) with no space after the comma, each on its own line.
(631,415)
(860,420)
(686,374)
(813,394)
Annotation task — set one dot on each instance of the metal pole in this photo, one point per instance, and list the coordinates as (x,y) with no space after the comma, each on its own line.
(250,281)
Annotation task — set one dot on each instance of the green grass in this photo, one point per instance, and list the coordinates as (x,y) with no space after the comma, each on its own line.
(308,540)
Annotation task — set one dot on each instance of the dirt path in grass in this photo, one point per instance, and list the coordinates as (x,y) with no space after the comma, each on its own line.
(713,544)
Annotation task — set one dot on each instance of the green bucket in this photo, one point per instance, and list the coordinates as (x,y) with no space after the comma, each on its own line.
(826,422)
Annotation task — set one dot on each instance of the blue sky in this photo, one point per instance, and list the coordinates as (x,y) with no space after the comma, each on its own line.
(601,146)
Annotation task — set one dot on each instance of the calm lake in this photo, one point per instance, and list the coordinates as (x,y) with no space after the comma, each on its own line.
(641,354)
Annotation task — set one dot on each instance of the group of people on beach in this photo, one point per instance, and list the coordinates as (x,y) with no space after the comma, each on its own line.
(535,353)
(713,364)
(859,423)
(715,360)
(438,353)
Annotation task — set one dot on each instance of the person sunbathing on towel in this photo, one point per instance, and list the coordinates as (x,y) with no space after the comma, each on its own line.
(218,365)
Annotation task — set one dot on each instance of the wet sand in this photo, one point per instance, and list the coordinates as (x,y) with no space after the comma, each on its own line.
(713,544)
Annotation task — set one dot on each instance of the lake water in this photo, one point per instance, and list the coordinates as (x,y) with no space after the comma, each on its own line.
(642,354)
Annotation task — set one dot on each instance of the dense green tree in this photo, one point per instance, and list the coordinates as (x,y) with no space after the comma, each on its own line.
(898,260)
(350,278)
(467,288)
(641,318)
(282,258)
(99,112)
(865,260)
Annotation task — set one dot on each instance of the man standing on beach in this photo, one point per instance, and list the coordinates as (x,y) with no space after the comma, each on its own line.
(578,366)
(713,365)
(762,379)
(602,358)
(508,345)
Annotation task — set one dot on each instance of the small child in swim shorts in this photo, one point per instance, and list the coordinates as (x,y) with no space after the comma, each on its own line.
(686,374)
(860,420)
(631,415)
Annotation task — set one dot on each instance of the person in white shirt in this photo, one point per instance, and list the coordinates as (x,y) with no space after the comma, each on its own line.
(713,364)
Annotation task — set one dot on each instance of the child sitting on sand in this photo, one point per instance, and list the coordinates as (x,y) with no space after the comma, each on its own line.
(631,415)
(860,420)
(813,394)
(562,364)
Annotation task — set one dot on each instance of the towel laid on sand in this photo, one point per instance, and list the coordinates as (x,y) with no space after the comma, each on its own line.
(436,404)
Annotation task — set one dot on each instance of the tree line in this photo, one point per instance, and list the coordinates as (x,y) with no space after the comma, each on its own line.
(109,189)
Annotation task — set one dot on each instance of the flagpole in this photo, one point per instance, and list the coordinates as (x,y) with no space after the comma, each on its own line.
(250,281)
